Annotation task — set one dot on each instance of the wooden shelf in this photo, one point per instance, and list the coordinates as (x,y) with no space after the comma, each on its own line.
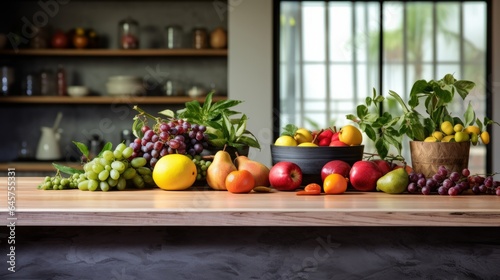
(115,52)
(103,99)
(202,206)
(36,166)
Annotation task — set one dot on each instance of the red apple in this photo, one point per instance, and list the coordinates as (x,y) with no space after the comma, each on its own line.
(335,136)
(285,176)
(384,165)
(324,142)
(337,143)
(327,133)
(335,166)
(364,175)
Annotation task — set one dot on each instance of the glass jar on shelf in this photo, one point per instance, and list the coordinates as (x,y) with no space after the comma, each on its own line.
(128,34)
(200,38)
(174,36)
(80,40)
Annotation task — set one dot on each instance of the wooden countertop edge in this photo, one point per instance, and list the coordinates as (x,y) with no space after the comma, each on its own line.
(482,218)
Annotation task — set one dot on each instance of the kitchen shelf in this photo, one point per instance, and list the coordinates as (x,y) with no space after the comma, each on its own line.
(202,206)
(115,52)
(104,99)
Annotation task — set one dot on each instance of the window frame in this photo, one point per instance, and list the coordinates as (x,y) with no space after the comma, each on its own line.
(276,63)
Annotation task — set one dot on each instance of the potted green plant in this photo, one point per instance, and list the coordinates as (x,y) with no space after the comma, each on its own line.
(432,125)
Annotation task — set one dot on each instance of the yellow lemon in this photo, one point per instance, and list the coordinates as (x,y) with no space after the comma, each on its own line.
(350,135)
(472,128)
(174,172)
(307,144)
(447,128)
(285,140)
(485,137)
(431,139)
(461,137)
(458,127)
(438,135)
(303,135)
(448,138)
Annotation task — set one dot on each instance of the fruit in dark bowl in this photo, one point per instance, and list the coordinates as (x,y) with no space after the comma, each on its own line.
(312,159)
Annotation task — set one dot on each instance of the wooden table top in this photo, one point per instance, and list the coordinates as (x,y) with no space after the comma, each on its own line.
(206,207)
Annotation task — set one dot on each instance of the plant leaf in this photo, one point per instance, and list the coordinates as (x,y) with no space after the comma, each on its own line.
(249,141)
(444,93)
(469,115)
(107,147)
(242,125)
(362,110)
(136,127)
(67,170)
(370,132)
(168,113)
(381,148)
(289,130)
(82,147)
(351,117)
(464,87)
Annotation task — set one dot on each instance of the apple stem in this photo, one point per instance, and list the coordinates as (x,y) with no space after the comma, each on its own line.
(316,136)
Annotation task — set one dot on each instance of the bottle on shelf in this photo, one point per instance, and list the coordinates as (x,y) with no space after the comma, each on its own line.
(30,85)
(62,89)
(47,82)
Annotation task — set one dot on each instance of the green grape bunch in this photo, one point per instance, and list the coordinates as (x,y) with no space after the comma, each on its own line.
(109,170)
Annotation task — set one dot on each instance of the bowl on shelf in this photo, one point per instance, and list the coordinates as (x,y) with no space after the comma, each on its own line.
(124,85)
(312,159)
(78,91)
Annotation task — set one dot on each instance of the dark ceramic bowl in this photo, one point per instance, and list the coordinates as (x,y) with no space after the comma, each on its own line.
(312,159)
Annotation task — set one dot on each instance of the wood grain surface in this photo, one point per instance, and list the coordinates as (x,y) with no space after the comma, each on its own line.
(202,206)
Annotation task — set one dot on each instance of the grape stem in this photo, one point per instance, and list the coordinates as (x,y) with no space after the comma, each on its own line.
(390,158)
(142,112)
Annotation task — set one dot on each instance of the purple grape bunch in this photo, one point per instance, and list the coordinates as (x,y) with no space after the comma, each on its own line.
(176,136)
(446,182)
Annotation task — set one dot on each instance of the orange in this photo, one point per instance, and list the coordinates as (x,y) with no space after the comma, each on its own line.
(240,181)
(335,184)
(350,135)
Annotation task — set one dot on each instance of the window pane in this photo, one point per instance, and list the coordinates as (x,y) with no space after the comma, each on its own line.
(313,31)
(314,81)
(341,45)
(448,32)
(418,33)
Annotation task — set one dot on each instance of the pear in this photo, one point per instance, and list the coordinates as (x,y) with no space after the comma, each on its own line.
(217,172)
(395,181)
(259,171)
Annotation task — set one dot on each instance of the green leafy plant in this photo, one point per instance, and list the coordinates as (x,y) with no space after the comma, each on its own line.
(387,130)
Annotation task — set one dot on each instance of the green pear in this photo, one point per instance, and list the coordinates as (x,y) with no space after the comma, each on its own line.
(395,181)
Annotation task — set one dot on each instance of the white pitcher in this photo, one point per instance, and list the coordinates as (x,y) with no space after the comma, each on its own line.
(48,145)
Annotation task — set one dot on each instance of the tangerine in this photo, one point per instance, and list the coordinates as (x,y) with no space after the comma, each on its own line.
(240,181)
(335,184)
